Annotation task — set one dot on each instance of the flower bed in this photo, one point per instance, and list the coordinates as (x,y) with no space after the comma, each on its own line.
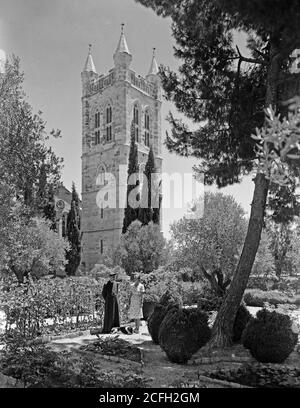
(113,346)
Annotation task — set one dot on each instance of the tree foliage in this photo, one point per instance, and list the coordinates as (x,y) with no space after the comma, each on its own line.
(146,210)
(213,242)
(26,162)
(131,212)
(142,248)
(73,234)
(227,92)
(264,264)
(29,246)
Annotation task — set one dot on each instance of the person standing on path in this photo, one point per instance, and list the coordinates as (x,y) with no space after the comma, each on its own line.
(111,311)
(136,302)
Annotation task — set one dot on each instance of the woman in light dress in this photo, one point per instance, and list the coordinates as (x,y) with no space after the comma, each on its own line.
(136,302)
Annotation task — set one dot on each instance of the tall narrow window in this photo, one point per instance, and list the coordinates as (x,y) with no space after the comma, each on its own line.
(101,246)
(108,124)
(147,129)
(97,128)
(101,213)
(136,122)
(64,225)
(97,120)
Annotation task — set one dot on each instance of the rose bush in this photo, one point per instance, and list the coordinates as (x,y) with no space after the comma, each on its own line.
(47,305)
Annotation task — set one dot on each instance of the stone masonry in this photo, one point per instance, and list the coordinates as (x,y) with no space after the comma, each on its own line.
(109,102)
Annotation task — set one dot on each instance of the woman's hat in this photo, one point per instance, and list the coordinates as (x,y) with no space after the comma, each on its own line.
(112,273)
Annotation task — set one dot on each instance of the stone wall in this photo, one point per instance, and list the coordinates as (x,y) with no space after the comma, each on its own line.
(121,95)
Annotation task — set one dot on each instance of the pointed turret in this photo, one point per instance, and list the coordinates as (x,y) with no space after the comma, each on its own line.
(122,45)
(89,73)
(153,67)
(153,76)
(122,56)
(89,64)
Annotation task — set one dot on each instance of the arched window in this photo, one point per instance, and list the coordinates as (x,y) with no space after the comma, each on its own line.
(97,128)
(136,122)
(100,175)
(108,123)
(147,129)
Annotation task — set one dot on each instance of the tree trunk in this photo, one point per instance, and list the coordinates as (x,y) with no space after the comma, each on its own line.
(222,330)
(223,326)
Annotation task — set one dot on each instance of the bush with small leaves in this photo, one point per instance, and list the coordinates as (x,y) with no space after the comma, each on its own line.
(270,337)
(168,300)
(182,333)
(154,321)
(210,304)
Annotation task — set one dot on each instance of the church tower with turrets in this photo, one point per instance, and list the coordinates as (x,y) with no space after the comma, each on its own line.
(114,105)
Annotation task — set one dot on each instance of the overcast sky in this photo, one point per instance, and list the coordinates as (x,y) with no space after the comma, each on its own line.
(52,37)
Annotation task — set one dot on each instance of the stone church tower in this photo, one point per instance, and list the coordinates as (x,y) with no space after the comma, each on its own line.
(110,105)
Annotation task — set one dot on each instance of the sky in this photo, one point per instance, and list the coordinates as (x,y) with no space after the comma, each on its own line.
(51,38)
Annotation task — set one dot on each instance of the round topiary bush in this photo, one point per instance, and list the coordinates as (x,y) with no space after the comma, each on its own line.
(154,321)
(182,333)
(243,316)
(270,337)
(168,300)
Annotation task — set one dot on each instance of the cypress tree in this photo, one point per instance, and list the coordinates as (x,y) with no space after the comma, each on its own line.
(73,234)
(146,211)
(131,214)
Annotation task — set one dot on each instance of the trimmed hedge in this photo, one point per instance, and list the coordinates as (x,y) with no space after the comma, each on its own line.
(167,301)
(182,333)
(270,337)
(154,321)
(257,298)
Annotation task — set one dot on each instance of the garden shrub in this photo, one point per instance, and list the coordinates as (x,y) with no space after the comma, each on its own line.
(37,366)
(269,337)
(191,292)
(70,303)
(114,346)
(167,301)
(262,282)
(154,321)
(182,333)
(256,297)
(210,304)
(243,316)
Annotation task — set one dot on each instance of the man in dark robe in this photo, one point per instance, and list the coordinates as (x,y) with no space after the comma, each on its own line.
(110,295)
